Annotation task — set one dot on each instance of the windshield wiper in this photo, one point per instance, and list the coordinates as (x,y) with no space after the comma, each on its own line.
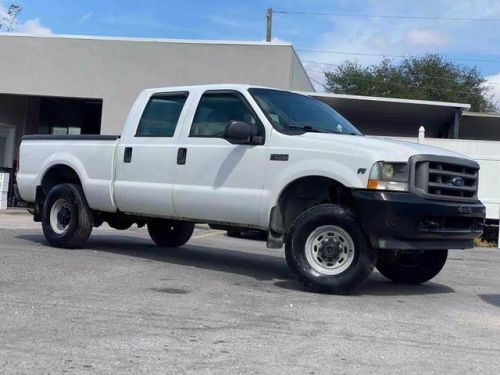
(307,128)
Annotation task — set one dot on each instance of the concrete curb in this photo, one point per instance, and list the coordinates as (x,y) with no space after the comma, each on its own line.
(14,211)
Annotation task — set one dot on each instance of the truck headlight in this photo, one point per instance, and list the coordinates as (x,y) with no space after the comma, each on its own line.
(389,176)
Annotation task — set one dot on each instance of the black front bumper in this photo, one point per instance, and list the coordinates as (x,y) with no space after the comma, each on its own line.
(404,221)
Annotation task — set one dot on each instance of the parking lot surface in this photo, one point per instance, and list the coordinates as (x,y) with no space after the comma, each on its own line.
(223,305)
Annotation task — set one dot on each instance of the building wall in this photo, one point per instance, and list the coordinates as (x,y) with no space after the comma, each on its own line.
(116,70)
(298,75)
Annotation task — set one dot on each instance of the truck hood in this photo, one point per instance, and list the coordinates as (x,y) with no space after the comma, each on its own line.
(381,148)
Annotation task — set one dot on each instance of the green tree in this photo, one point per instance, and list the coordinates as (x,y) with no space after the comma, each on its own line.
(430,77)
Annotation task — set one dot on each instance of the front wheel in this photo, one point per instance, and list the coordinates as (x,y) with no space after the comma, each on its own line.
(411,267)
(170,233)
(327,250)
(67,219)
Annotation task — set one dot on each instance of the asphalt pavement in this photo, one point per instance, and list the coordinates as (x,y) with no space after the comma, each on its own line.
(227,306)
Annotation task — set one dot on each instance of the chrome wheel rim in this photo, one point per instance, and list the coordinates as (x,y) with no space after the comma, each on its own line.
(60,216)
(329,250)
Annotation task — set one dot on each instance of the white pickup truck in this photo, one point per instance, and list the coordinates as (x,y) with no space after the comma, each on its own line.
(251,157)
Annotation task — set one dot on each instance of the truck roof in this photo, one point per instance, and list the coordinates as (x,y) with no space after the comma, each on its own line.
(219,86)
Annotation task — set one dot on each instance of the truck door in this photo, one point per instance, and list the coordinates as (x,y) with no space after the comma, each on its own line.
(145,159)
(216,180)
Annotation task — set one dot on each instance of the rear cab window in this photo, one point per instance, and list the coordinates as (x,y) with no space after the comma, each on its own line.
(161,115)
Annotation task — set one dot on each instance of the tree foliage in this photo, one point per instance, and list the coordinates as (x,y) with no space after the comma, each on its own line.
(9,19)
(430,77)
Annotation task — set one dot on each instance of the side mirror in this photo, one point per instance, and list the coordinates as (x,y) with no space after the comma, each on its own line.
(241,133)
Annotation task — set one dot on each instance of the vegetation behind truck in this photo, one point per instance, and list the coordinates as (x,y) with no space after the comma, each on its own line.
(260,158)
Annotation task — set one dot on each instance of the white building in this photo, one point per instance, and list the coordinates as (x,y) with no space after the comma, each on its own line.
(68,84)
(61,84)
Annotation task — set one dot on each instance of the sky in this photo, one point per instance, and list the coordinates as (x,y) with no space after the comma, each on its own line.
(465,42)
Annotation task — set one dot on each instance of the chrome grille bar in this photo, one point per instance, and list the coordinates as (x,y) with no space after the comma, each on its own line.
(444,178)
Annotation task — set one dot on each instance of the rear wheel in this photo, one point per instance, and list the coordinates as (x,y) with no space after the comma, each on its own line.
(411,267)
(67,220)
(170,233)
(327,250)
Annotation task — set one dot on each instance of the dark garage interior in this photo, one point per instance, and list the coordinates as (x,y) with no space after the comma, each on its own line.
(69,116)
(26,114)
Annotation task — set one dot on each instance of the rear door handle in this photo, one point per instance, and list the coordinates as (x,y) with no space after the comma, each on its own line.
(181,156)
(127,155)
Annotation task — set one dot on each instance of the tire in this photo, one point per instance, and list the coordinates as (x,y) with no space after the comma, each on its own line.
(235,233)
(170,233)
(67,219)
(119,224)
(411,267)
(340,261)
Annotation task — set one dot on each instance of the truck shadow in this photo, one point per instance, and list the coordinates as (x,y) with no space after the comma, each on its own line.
(492,299)
(258,266)
(261,267)
(377,285)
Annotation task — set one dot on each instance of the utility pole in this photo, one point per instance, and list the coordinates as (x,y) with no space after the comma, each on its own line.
(269,29)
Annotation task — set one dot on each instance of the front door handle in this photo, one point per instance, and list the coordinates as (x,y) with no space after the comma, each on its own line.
(181,156)
(127,155)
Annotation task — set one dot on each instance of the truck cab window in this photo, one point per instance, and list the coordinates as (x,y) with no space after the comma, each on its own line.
(161,115)
(289,112)
(216,110)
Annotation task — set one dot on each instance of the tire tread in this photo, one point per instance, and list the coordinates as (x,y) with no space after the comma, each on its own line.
(338,284)
(418,275)
(81,230)
(163,238)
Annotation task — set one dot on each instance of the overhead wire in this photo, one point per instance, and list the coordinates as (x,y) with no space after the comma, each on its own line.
(341,14)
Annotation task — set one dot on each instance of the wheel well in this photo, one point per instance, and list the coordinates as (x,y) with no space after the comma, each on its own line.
(59,174)
(304,193)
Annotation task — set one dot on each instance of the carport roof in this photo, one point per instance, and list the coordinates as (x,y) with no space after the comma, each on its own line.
(360,98)
(480,126)
(394,116)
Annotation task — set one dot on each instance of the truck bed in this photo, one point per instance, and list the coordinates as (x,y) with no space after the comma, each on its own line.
(70,137)
(91,156)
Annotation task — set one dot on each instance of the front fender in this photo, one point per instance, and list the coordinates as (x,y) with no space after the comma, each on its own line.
(277,182)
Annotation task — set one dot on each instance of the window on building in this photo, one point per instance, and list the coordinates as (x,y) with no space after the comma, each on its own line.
(161,115)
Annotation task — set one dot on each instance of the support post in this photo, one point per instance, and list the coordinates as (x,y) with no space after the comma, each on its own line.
(456,123)
(269,26)
(421,134)
(4,189)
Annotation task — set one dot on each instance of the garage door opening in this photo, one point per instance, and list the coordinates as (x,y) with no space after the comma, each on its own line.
(28,114)
(69,116)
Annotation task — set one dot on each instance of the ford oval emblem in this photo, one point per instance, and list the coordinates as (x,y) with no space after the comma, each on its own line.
(458,181)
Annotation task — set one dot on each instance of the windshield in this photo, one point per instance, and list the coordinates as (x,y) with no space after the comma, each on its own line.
(291,112)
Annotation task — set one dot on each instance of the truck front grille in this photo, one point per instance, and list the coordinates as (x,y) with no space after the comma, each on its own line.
(445,178)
